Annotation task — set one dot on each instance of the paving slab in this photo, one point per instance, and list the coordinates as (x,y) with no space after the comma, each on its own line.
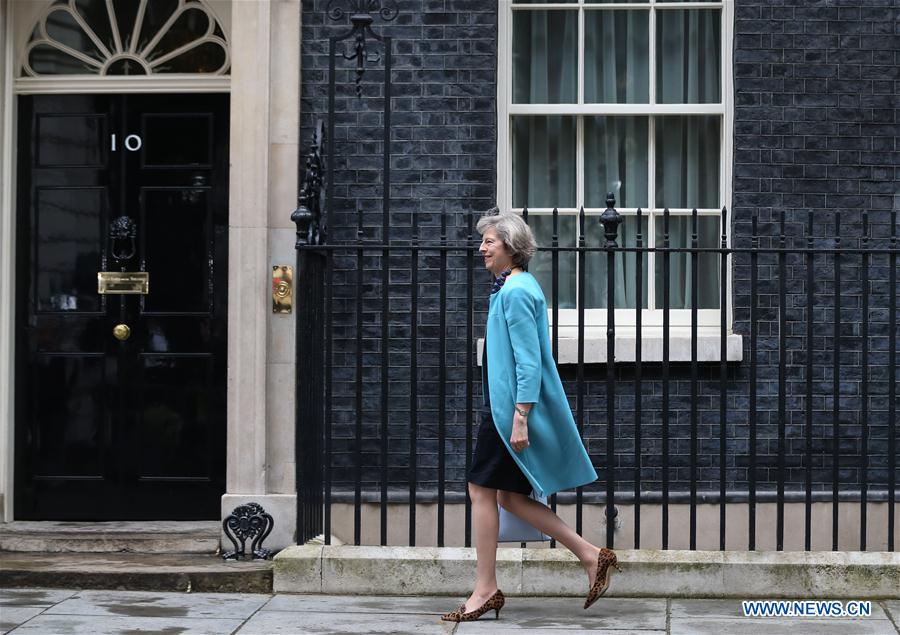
(304,622)
(489,627)
(34,597)
(107,625)
(45,612)
(360,604)
(892,608)
(541,613)
(12,616)
(732,609)
(143,604)
(779,626)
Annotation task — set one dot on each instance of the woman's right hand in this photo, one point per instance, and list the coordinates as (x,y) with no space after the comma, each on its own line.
(519,438)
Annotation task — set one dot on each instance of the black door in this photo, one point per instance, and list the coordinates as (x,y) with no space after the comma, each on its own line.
(120,399)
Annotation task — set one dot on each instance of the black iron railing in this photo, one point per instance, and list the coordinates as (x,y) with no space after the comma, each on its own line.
(398,373)
(388,382)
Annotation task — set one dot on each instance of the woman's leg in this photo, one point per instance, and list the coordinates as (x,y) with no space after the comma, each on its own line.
(543,518)
(485,526)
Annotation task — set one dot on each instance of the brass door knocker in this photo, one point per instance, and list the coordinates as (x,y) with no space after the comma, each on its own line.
(122,230)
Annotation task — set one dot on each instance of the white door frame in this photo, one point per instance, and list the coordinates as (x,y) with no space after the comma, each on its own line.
(7,263)
(262,191)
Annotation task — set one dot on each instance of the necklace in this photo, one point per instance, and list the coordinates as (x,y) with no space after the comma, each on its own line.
(500,280)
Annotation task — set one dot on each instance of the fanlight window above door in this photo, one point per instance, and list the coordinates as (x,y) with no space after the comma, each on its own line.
(126,37)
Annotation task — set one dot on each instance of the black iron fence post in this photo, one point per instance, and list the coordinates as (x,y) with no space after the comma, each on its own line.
(836,389)
(892,380)
(309,349)
(413,377)
(358,429)
(695,301)
(579,396)
(864,415)
(554,294)
(782,381)
(665,381)
(810,305)
(638,384)
(723,373)
(610,220)
(751,450)
(470,367)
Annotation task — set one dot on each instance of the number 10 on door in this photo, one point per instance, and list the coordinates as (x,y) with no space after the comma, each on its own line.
(133,143)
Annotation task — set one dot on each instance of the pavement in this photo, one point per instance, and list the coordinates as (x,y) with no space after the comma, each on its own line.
(58,612)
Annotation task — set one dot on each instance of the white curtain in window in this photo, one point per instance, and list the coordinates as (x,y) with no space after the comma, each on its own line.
(541,265)
(625,267)
(615,150)
(615,160)
(616,57)
(543,157)
(545,70)
(687,147)
(687,176)
(688,71)
(681,264)
(688,56)
(545,57)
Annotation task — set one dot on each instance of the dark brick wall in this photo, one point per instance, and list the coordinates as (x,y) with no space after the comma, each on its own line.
(444,86)
(815,127)
(816,92)
(443,122)
(816,97)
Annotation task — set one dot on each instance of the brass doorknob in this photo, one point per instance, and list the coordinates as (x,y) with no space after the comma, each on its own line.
(121,332)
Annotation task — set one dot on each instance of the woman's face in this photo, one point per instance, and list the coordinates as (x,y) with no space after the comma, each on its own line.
(496,258)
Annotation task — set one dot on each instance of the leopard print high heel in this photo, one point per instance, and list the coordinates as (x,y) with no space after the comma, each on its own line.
(495,602)
(606,560)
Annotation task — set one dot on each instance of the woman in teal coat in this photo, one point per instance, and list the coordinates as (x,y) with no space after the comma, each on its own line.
(527,440)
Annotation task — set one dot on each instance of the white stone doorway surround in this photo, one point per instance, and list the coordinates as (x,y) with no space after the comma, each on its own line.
(264,41)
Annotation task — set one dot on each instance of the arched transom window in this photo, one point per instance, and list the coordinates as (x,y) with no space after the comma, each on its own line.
(126,37)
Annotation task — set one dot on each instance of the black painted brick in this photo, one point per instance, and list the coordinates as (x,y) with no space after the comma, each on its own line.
(815,127)
(835,145)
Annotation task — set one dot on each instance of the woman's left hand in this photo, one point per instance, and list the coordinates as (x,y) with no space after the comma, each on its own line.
(519,438)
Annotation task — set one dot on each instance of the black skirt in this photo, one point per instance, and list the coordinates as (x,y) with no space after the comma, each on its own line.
(492,465)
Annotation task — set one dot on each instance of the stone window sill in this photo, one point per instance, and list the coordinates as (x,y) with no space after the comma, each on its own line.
(708,348)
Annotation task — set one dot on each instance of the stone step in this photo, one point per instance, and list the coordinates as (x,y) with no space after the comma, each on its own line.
(364,570)
(134,572)
(164,537)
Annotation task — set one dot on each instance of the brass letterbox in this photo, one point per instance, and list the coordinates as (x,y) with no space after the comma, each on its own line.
(123,282)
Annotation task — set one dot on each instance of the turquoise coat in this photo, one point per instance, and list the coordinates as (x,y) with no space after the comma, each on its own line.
(521,369)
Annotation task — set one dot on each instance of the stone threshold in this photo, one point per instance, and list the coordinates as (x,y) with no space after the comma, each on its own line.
(134,572)
(164,537)
(365,570)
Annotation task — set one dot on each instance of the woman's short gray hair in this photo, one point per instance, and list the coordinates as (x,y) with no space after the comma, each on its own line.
(517,237)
